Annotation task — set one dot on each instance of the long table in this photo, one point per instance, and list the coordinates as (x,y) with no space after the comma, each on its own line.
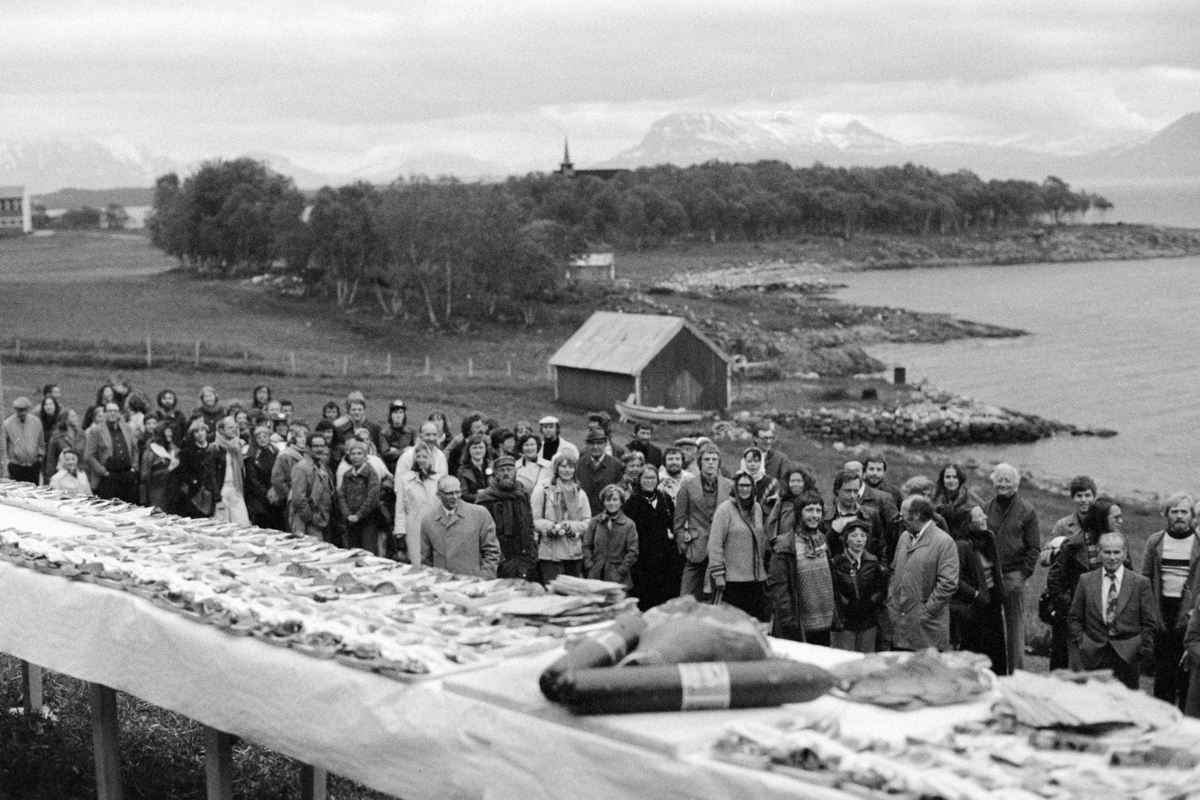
(481,735)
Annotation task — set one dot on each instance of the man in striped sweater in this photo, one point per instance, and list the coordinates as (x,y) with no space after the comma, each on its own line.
(1171,563)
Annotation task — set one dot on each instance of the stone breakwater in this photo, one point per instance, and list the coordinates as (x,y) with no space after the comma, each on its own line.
(937,419)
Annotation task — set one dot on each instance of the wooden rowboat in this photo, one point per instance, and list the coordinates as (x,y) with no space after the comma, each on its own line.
(630,410)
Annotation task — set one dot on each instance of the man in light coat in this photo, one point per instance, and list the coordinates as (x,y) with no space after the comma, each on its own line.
(697,501)
(22,445)
(924,578)
(459,537)
(310,499)
(1018,544)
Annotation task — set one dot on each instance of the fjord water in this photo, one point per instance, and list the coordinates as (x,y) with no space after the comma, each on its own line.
(1112,344)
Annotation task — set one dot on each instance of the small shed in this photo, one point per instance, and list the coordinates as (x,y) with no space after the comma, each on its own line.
(660,360)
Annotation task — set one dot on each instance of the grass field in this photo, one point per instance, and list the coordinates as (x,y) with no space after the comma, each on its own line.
(112,292)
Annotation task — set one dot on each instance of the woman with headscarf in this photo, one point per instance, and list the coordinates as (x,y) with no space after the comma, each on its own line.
(160,462)
(260,461)
(358,499)
(610,541)
(66,435)
(659,568)
(976,608)
(416,496)
(736,547)
(766,488)
(800,581)
(229,474)
(394,436)
(560,517)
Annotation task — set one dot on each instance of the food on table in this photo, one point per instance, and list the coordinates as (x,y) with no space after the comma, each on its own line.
(685,630)
(906,681)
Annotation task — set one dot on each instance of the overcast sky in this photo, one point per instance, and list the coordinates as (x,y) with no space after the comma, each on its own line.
(335,85)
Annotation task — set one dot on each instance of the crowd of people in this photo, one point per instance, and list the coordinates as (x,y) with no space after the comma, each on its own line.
(930,563)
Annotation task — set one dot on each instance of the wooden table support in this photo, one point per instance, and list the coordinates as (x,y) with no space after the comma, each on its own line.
(31,687)
(218,764)
(105,742)
(314,783)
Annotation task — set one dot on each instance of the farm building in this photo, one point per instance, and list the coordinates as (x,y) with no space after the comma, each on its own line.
(660,360)
(16,212)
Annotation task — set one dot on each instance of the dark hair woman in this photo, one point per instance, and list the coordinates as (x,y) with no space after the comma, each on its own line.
(104,395)
(198,491)
(49,413)
(659,567)
(160,463)
(954,499)
(976,608)
(260,461)
(799,576)
(261,396)
(474,470)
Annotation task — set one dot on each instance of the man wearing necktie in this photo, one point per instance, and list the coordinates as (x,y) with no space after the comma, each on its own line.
(1113,615)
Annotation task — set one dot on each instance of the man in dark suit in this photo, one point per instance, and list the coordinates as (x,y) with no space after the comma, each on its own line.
(1114,615)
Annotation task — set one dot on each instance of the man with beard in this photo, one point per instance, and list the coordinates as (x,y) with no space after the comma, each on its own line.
(875,474)
(552,443)
(505,499)
(169,415)
(643,432)
(1170,562)
(597,469)
(671,474)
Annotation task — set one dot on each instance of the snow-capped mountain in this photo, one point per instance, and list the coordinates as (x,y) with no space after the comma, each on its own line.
(47,166)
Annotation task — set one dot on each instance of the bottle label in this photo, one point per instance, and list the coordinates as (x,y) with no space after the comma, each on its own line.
(705,685)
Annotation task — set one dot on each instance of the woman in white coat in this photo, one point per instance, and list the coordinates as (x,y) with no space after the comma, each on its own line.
(560,516)
(416,495)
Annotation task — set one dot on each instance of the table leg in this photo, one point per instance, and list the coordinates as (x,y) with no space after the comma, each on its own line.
(218,764)
(31,685)
(105,743)
(314,783)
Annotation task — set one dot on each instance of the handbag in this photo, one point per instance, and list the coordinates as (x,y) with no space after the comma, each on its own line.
(202,501)
(1050,608)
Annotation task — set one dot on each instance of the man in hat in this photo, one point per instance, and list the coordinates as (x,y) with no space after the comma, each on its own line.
(597,469)
(22,446)
(687,447)
(506,500)
(552,443)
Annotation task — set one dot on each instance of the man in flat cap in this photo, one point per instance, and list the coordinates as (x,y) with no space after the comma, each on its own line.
(22,446)
(597,469)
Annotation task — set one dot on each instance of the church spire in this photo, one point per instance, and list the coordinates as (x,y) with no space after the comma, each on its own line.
(566,168)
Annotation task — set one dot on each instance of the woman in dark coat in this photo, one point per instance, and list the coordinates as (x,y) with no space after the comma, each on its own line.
(394,436)
(799,575)
(160,466)
(199,490)
(259,463)
(954,499)
(976,609)
(475,467)
(659,567)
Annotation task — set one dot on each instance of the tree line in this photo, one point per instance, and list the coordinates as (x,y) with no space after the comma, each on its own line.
(443,249)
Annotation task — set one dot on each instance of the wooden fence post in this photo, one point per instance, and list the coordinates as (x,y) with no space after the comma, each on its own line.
(345,365)
(293,362)
(388,369)
(470,367)
(149,357)
(426,365)
(17,353)
(197,354)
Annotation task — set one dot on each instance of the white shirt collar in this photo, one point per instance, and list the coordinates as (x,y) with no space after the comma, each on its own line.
(1118,575)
